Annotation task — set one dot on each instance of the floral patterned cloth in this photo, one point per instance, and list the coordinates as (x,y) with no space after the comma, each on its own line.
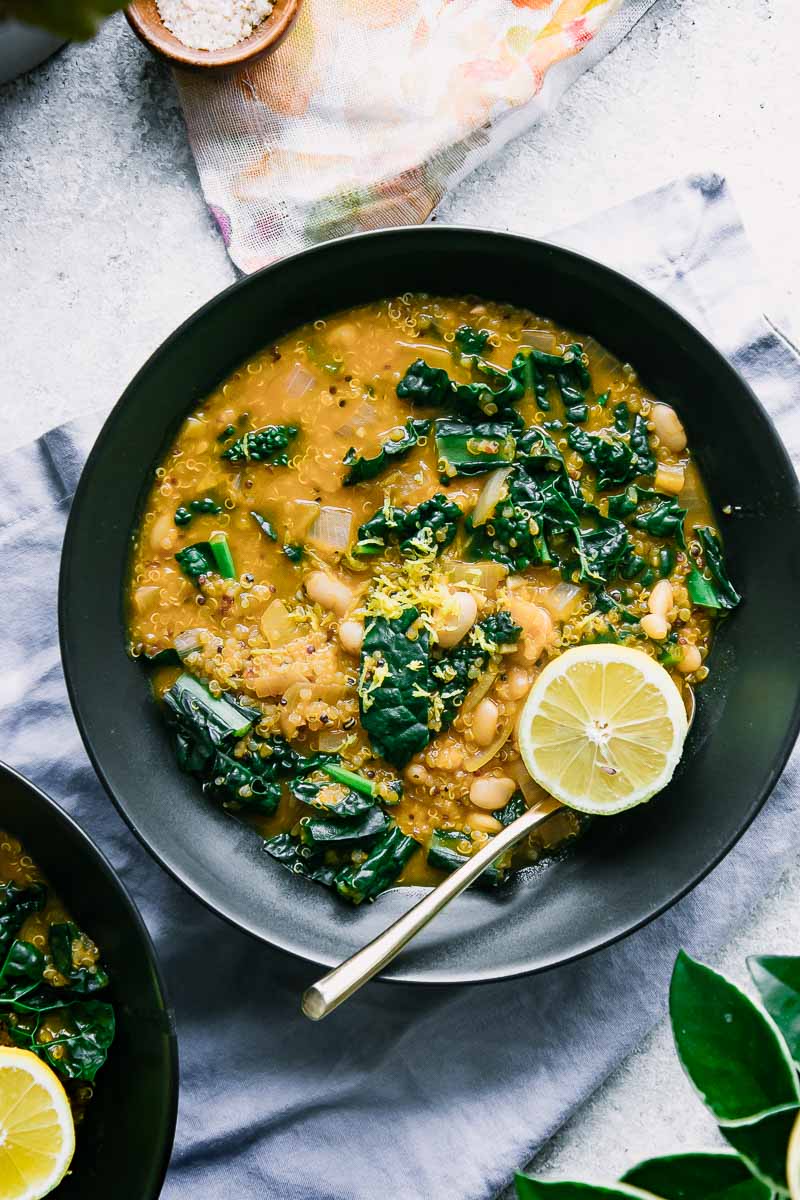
(370,109)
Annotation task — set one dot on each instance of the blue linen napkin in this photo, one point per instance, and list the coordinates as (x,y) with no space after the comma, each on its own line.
(382,1098)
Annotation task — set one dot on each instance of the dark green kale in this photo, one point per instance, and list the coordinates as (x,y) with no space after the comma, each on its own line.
(294,553)
(431,525)
(86,1027)
(714,590)
(393,450)
(471,341)
(265,525)
(64,939)
(663,519)
(472,449)
(509,812)
(203,723)
(394,686)
(269,444)
(228,432)
(444,855)
(457,669)
(248,781)
(424,385)
(570,376)
(536,448)
(610,455)
(379,870)
(432,386)
(603,552)
(186,513)
(300,859)
(351,804)
(640,445)
(360,830)
(515,533)
(16,905)
(204,558)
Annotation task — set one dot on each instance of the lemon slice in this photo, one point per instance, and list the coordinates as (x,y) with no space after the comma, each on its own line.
(37,1134)
(603,728)
(793,1161)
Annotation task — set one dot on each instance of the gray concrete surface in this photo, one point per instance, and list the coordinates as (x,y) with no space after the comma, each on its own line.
(107,247)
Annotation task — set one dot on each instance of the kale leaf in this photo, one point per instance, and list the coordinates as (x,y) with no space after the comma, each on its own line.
(80,1051)
(664,519)
(358,830)
(470,449)
(203,723)
(379,870)
(269,444)
(431,525)
(718,590)
(300,859)
(83,980)
(392,450)
(609,454)
(569,375)
(471,341)
(16,905)
(444,855)
(186,513)
(265,525)
(514,534)
(394,686)
(426,385)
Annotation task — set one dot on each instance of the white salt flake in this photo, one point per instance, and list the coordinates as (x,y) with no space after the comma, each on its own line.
(213,24)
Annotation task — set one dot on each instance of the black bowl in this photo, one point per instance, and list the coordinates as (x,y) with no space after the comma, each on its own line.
(628,869)
(125,1139)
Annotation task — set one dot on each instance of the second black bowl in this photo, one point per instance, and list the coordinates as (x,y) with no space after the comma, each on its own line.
(125,1139)
(628,869)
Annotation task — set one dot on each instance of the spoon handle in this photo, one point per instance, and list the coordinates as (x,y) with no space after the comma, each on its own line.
(328,993)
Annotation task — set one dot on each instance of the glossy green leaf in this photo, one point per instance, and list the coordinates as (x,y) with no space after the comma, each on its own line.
(778,980)
(728,1047)
(535,1189)
(697,1177)
(762,1146)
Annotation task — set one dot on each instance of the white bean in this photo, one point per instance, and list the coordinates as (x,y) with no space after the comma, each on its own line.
(459,625)
(655,626)
(519,683)
(537,626)
(670,479)
(484,822)
(691,660)
(351,635)
(328,592)
(668,427)
(491,793)
(661,598)
(484,722)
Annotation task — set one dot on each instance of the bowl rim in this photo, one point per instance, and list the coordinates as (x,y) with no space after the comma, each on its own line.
(103,865)
(281,941)
(164,42)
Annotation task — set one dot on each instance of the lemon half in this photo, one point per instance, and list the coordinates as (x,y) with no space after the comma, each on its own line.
(603,728)
(37,1133)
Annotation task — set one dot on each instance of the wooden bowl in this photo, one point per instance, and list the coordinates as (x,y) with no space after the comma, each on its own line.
(145,20)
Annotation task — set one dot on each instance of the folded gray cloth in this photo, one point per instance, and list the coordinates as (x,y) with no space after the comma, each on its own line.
(406,1091)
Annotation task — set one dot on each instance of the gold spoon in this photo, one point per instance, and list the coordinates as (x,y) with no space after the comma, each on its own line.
(328,993)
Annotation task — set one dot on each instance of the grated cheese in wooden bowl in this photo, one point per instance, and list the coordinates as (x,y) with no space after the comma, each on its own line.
(213,24)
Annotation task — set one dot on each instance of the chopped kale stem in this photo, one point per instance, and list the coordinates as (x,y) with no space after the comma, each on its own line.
(266,445)
(222,555)
(350,779)
(393,450)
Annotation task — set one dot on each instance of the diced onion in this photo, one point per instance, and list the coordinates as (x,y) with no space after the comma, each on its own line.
(491,493)
(362,418)
(474,762)
(332,529)
(530,789)
(540,339)
(145,598)
(187,642)
(484,575)
(478,691)
(562,600)
(299,381)
(276,624)
(300,516)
